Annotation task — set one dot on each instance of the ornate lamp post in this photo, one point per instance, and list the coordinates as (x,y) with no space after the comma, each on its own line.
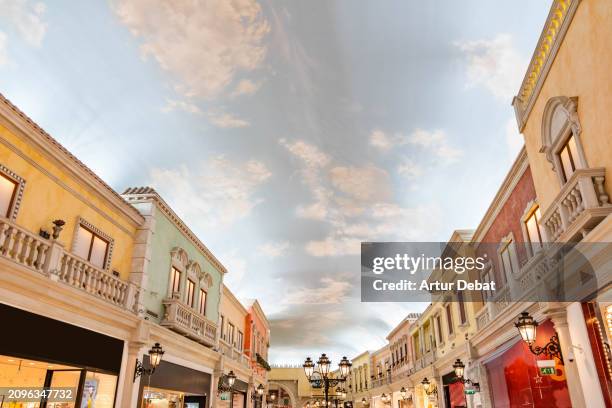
(326,380)
(257,395)
(527,328)
(155,357)
(430,389)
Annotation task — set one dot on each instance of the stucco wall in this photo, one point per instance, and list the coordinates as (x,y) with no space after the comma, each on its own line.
(52,193)
(582,69)
(166,237)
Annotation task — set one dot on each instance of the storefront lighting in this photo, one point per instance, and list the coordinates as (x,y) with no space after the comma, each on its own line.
(231,379)
(459,368)
(527,328)
(260,389)
(430,388)
(364,402)
(155,356)
(403,393)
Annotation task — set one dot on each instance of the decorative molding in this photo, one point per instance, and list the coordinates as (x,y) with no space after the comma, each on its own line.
(17,195)
(556,26)
(135,195)
(12,117)
(111,241)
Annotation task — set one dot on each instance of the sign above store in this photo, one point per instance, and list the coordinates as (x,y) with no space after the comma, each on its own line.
(547,367)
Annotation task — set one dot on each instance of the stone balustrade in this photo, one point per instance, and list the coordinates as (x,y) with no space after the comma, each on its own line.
(48,257)
(187,321)
(579,206)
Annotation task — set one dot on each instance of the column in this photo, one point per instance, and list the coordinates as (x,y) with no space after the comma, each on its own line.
(558,315)
(129,392)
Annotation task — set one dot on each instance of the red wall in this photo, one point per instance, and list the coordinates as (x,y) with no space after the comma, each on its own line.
(509,220)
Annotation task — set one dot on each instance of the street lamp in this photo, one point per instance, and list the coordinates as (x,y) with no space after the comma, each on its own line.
(430,389)
(527,328)
(155,357)
(231,379)
(403,393)
(326,380)
(459,368)
(260,390)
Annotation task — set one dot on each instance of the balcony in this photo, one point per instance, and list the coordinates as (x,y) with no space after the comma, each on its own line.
(580,205)
(50,259)
(185,320)
(233,353)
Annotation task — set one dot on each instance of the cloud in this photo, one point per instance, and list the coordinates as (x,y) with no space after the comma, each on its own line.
(172,105)
(384,142)
(236,267)
(514,140)
(3,54)
(435,142)
(330,291)
(409,169)
(245,87)
(204,45)
(217,192)
(355,202)
(273,249)
(226,120)
(27,18)
(494,64)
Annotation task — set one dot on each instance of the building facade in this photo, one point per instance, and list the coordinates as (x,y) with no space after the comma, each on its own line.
(66,246)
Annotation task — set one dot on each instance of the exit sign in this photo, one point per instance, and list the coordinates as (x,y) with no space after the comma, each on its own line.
(470,391)
(547,370)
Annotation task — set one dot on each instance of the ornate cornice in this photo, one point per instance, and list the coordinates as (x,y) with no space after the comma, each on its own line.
(30,130)
(556,26)
(136,195)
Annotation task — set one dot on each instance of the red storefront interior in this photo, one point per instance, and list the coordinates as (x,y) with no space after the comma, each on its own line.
(515,379)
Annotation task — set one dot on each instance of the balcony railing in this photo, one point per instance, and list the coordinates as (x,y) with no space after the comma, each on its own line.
(185,320)
(233,353)
(580,205)
(49,258)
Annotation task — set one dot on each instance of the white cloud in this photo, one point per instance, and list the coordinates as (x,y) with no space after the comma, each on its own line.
(409,169)
(385,142)
(188,107)
(273,249)
(218,192)
(514,140)
(27,18)
(245,87)
(494,64)
(3,54)
(236,268)
(356,203)
(331,291)
(436,142)
(203,44)
(226,120)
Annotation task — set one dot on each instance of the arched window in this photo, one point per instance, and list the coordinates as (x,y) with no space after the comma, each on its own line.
(561,137)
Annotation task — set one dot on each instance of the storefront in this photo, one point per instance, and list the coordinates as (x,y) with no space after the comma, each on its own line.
(38,352)
(515,380)
(174,386)
(454,392)
(236,398)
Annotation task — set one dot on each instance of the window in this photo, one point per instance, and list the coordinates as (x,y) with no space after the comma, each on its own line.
(202,306)
(486,278)
(462,314)
(230,333)
(221,327)
(91,246)
(8,190)
(567,156)
(439,327)
(449,319)
(240,340)
(190,292)
(508,256)
(175,284)
(534,235)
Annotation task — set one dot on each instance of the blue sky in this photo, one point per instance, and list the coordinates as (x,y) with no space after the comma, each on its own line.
(286,132)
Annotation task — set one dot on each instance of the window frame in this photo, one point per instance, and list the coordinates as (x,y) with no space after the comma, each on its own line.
(174,271)
(449,319)
(96,232)
(190,288)
(17,196)
(201,309)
